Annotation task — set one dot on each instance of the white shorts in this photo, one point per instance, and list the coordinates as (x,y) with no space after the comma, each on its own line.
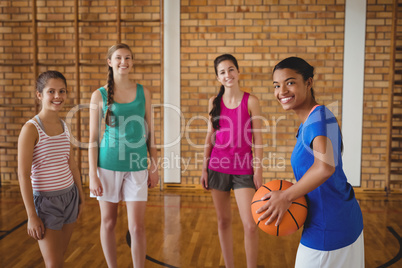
(351,256)
(123,186)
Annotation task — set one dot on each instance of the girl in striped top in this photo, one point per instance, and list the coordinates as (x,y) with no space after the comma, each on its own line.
(49,178)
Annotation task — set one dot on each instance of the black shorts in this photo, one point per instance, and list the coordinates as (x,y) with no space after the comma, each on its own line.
(226,182)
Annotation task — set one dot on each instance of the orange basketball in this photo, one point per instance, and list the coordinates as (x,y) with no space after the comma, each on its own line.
(292,220)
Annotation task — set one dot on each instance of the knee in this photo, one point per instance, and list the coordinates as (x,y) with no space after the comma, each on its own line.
(109,223)
(250,228)
(136,230)
(224,223)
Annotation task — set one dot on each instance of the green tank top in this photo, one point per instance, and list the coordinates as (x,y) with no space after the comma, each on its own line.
(123,146)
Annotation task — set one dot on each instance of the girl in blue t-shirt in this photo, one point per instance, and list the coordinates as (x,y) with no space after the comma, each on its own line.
(333,231)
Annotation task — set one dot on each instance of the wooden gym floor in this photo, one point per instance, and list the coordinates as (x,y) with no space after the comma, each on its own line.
(182,232)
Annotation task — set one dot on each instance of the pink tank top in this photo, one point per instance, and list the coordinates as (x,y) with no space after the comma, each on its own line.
(231,153)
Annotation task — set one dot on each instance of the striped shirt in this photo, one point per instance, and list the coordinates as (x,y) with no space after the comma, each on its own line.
(50,168)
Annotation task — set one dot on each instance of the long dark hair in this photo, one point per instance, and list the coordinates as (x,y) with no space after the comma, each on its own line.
(110,82)
(44,77)
(300,66)
(216,109)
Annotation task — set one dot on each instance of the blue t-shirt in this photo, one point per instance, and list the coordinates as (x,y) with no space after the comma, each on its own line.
(334,217)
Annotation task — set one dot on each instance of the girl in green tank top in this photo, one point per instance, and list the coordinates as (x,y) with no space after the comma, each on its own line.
(125,107)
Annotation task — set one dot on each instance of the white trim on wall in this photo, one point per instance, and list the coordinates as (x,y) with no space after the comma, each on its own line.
(353,88)
(171,92)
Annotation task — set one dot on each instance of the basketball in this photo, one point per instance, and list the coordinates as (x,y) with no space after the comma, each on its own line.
(292,220)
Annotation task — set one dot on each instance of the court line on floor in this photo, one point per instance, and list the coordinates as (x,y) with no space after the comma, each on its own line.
(12,230)
(387,264)
(399,255)
(159,262)
(6,233)
(128,240)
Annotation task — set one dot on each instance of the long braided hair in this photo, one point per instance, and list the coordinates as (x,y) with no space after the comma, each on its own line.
(216,108)
(110,83)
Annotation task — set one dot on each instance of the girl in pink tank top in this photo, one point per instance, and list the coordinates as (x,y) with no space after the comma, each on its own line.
(228,157)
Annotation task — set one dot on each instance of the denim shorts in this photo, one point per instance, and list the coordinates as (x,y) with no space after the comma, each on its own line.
(226,182)
(56,208)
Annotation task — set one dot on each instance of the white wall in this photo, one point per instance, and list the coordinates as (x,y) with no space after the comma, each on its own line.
(353,88)
(171,92)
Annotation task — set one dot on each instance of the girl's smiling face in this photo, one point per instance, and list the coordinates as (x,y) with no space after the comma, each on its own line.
(227,74)
(54,94)
(121,61)
(291,90)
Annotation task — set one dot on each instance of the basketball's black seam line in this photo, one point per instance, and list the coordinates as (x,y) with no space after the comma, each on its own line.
(296,203)
(267,188)
(280,187)
(294,219)
(256,201)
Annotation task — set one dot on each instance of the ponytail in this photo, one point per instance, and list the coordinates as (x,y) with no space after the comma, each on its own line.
(216,109)
(110,95)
